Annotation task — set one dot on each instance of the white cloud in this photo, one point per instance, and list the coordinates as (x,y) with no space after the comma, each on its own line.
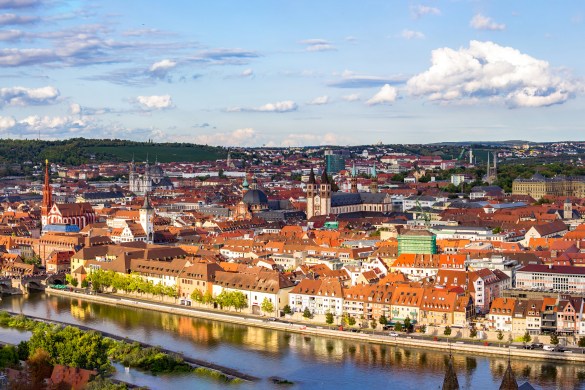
(11,35)
(317,45)
(35,122)
(480,22)
(303,139)
(21,96)
(489,71)
(155,102)
(410,34)
(162,67)
(238,137)
(19,3)
(386,95)
(350,79)
(8,19)
(284,106)
(74,109)
(247,73)
(320,100)
(6,122)
(351,97)
(421,10)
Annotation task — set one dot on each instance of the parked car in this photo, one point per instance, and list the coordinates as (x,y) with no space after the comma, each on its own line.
(393,334)
(537,346)
(549,347)
(558,348)
(271,319)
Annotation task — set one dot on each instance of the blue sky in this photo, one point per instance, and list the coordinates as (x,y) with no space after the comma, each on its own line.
(288,73)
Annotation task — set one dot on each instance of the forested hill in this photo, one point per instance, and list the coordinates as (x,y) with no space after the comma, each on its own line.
(78,151)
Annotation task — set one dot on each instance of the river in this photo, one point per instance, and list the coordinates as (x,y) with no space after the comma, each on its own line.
(309,362)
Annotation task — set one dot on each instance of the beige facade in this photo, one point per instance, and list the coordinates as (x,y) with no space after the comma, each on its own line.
(538,186)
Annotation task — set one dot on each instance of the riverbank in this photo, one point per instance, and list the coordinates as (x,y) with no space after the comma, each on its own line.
(441,344)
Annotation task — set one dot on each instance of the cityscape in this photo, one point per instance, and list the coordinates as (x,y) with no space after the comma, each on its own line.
(291,195)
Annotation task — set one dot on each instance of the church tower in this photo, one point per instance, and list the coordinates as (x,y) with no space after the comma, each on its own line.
(374,183)
(311,195)
(325,194)
(146,219)
(567,209)
(353,180)
(47,197)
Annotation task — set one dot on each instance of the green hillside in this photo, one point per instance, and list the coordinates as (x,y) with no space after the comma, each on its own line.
(77,151)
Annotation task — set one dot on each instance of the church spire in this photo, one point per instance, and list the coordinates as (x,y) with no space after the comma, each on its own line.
(312,177)
(450,382)
(47,191)
(509,380)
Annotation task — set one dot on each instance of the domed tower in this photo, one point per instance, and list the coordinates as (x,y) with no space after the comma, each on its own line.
(311,184)
(374,182)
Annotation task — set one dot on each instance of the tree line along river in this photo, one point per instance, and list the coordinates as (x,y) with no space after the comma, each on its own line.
(307,361)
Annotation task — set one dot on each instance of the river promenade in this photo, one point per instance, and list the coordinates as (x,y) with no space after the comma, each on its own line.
(419,342)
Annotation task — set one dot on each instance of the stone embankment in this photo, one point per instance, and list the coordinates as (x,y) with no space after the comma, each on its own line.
(438,343)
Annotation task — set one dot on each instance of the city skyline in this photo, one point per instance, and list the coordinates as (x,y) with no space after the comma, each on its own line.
(291,73)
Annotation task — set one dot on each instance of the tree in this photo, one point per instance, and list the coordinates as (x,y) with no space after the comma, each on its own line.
(287,309)
(39,367)
(267,306)
(239,300)
(307,313)
(383,320)
(407,324)
(581,342)
(500,335)
(554,339)
(197,296)
(208,298)
(423,329)
(23,350)
(398,326)
(84,283)
(373,323)
(447,331)
(329,318)
(351,321)
(473,332)
(526,338)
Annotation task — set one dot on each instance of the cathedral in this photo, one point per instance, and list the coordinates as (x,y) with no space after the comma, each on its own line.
(322,201)
(152,179)
(59,214)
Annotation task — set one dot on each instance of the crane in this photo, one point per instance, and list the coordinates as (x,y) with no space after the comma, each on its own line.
(461,154)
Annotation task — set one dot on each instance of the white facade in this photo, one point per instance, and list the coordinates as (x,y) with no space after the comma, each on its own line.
(317,304)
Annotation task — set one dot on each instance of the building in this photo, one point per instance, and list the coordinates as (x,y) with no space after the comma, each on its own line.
(78,214)
(153,178)
(418,242)
(319,296)
(539,186)
(558,279)
(334,161)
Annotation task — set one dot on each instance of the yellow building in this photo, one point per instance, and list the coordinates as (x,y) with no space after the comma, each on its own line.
(538,186)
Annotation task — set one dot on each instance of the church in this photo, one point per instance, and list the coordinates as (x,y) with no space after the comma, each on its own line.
(322,201)
(152,179)
(56,215)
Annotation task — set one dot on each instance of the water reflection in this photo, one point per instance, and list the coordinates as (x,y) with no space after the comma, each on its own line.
(313,361)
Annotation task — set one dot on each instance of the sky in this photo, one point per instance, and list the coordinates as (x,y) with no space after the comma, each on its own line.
(292,73)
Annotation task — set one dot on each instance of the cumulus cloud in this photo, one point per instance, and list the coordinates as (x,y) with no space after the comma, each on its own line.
(12,19)
(161,68)
(481,22)
(6,122)
(155,102)
(421,10)
(247,73)
(238,137)
(410,34)
(284,106)
(489,71)
(353,97)
(21,96)
(74,109)
(386,95)
(304,139)
(350,79)
(320,100)
(317,45)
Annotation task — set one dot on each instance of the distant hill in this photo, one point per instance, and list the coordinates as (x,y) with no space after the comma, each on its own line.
(485,143)
(78,151)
